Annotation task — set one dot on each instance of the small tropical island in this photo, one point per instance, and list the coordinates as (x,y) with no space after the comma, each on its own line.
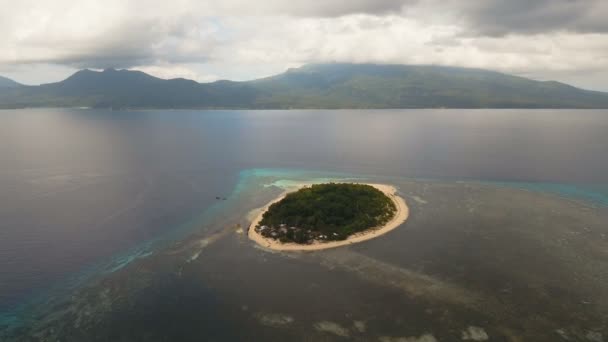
(320,216)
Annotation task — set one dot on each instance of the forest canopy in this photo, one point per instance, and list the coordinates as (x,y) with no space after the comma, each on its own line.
(330,211)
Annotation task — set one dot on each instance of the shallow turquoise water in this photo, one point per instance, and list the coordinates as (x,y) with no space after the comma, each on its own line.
(251,181)
(594,193)
(89,194)
(253,188)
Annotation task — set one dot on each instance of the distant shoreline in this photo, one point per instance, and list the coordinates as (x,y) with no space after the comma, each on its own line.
(236,109)
(390,191)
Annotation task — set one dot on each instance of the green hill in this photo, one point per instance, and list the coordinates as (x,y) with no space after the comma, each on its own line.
(312,86)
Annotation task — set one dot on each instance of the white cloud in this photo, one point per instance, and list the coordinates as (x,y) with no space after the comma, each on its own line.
(169,71)
(239,39)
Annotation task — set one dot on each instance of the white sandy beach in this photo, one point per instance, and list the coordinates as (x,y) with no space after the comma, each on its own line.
(401,215)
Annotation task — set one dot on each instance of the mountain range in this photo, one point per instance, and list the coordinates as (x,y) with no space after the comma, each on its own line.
(333,85)
(8,83)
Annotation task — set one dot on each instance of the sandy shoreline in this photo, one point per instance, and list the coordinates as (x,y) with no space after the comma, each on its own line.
(401,215)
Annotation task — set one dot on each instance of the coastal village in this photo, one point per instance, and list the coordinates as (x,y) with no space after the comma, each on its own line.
(285,233)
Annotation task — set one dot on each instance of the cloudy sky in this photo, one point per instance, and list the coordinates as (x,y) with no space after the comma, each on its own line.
(45,41)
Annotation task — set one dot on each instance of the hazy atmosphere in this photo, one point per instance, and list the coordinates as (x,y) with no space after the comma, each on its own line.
(304,170)
(46,41)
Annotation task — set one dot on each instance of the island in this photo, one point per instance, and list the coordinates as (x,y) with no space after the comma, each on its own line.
(320,216)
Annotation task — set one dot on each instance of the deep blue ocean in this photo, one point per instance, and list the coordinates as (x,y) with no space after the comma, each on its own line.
(80,188)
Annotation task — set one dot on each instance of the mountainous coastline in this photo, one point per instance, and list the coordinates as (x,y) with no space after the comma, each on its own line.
(331,86)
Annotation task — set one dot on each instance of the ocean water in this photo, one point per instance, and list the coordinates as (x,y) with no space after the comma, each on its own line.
(93,198)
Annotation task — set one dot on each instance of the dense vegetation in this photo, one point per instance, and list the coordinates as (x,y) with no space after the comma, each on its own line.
(327,212)
(336,85)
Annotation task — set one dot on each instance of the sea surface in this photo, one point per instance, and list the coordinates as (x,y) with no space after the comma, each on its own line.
(129,225)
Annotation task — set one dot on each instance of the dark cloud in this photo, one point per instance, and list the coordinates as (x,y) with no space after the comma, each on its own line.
(128,44)
(499,17)
(335,8)
(103,60)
